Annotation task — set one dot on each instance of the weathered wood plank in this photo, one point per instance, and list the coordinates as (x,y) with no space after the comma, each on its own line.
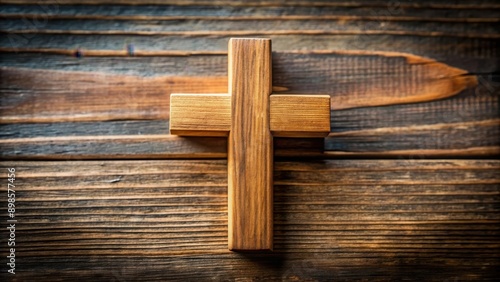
(389,13)
(299,266)
(388,78)
(73,216)
(399,145)
(300,115)
(89,95)
(250,155)
(243,26)
(484,4)
(466,125)
(114,147)
(482,54)
(400,18)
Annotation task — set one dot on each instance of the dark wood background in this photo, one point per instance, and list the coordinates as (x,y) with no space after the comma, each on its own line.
(407,185)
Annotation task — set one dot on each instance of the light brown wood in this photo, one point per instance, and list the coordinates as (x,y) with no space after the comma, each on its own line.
(250,152)
(245,114)
(210,115)
(300,115)
(200,114)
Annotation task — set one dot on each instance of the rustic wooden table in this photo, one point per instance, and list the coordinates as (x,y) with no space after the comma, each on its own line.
(406,186)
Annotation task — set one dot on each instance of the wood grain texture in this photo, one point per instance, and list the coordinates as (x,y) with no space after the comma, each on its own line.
(489,4)
(346,219)
(404,219)
(210,115)
(300,115)
(463,126)
(200,114)
(344,22)
(95,96)
(364,10)
(416,29)
(383,16)
(407,79)
(250,146)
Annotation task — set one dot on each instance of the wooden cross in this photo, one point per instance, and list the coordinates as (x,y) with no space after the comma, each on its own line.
(250,116)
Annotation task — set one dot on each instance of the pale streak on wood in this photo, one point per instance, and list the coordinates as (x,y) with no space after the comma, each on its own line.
(441,81)
(112,53)
(95,96)
(200,114)
(250,152)
(486,151)
(300,115)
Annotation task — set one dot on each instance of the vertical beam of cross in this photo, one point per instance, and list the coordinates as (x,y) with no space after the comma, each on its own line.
(250,116)
(250,146)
